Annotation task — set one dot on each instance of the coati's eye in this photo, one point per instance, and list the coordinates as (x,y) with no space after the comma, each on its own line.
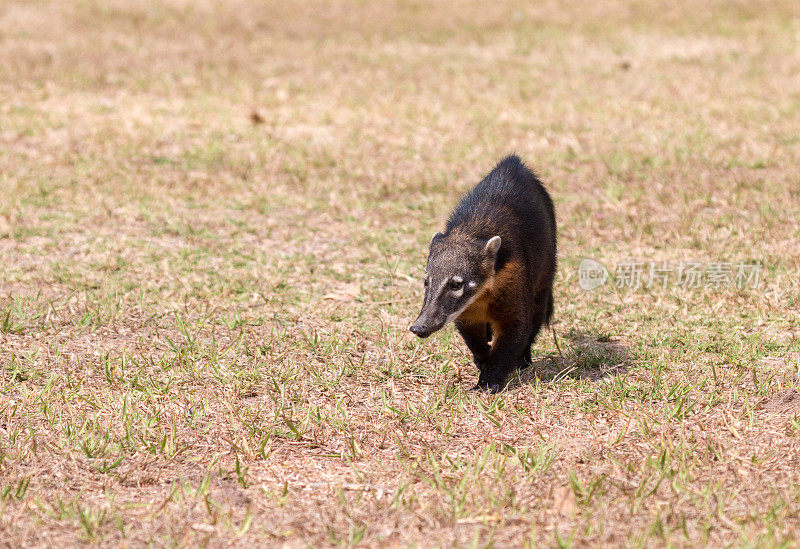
(456,283)
(425,282)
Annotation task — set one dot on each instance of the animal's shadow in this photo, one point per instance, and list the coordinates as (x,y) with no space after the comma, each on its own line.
(584,356)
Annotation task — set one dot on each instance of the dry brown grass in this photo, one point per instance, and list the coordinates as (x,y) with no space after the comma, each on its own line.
(212,226)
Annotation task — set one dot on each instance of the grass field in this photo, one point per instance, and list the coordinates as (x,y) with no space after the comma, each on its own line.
(214,218)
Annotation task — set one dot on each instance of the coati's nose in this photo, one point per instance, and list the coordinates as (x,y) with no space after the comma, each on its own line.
(420,331)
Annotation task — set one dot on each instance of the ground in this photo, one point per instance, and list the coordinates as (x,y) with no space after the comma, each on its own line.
(213,225)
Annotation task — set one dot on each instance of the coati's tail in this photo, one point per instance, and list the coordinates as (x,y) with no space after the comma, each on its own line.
(548,313)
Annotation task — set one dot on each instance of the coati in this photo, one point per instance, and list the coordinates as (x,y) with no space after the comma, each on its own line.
(491,271)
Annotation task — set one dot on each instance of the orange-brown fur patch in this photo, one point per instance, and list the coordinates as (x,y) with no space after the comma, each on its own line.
(508,277)
(484,309)
(478,311)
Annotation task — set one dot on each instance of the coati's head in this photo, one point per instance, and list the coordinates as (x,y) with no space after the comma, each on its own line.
(459,269)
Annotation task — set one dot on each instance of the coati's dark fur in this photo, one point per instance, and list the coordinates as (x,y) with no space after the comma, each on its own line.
(499,291)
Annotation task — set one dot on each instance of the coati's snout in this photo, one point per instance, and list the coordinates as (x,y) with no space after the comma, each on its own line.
(458,270)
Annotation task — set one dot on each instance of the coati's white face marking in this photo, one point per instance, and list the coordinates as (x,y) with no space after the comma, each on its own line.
(464,307)
(457,286)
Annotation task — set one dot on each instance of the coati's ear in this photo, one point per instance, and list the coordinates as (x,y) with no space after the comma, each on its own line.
(492,246)
(434,237)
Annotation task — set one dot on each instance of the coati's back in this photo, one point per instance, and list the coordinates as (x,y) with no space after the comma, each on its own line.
(513,203)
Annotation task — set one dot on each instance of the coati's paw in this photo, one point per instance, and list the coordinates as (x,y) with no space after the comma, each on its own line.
(487,387)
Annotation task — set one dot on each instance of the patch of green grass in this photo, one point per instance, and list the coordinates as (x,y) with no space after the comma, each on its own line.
(209,258)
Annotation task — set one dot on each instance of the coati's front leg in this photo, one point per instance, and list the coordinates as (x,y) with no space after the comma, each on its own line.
(506,355)
(542,312)
(476,335)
